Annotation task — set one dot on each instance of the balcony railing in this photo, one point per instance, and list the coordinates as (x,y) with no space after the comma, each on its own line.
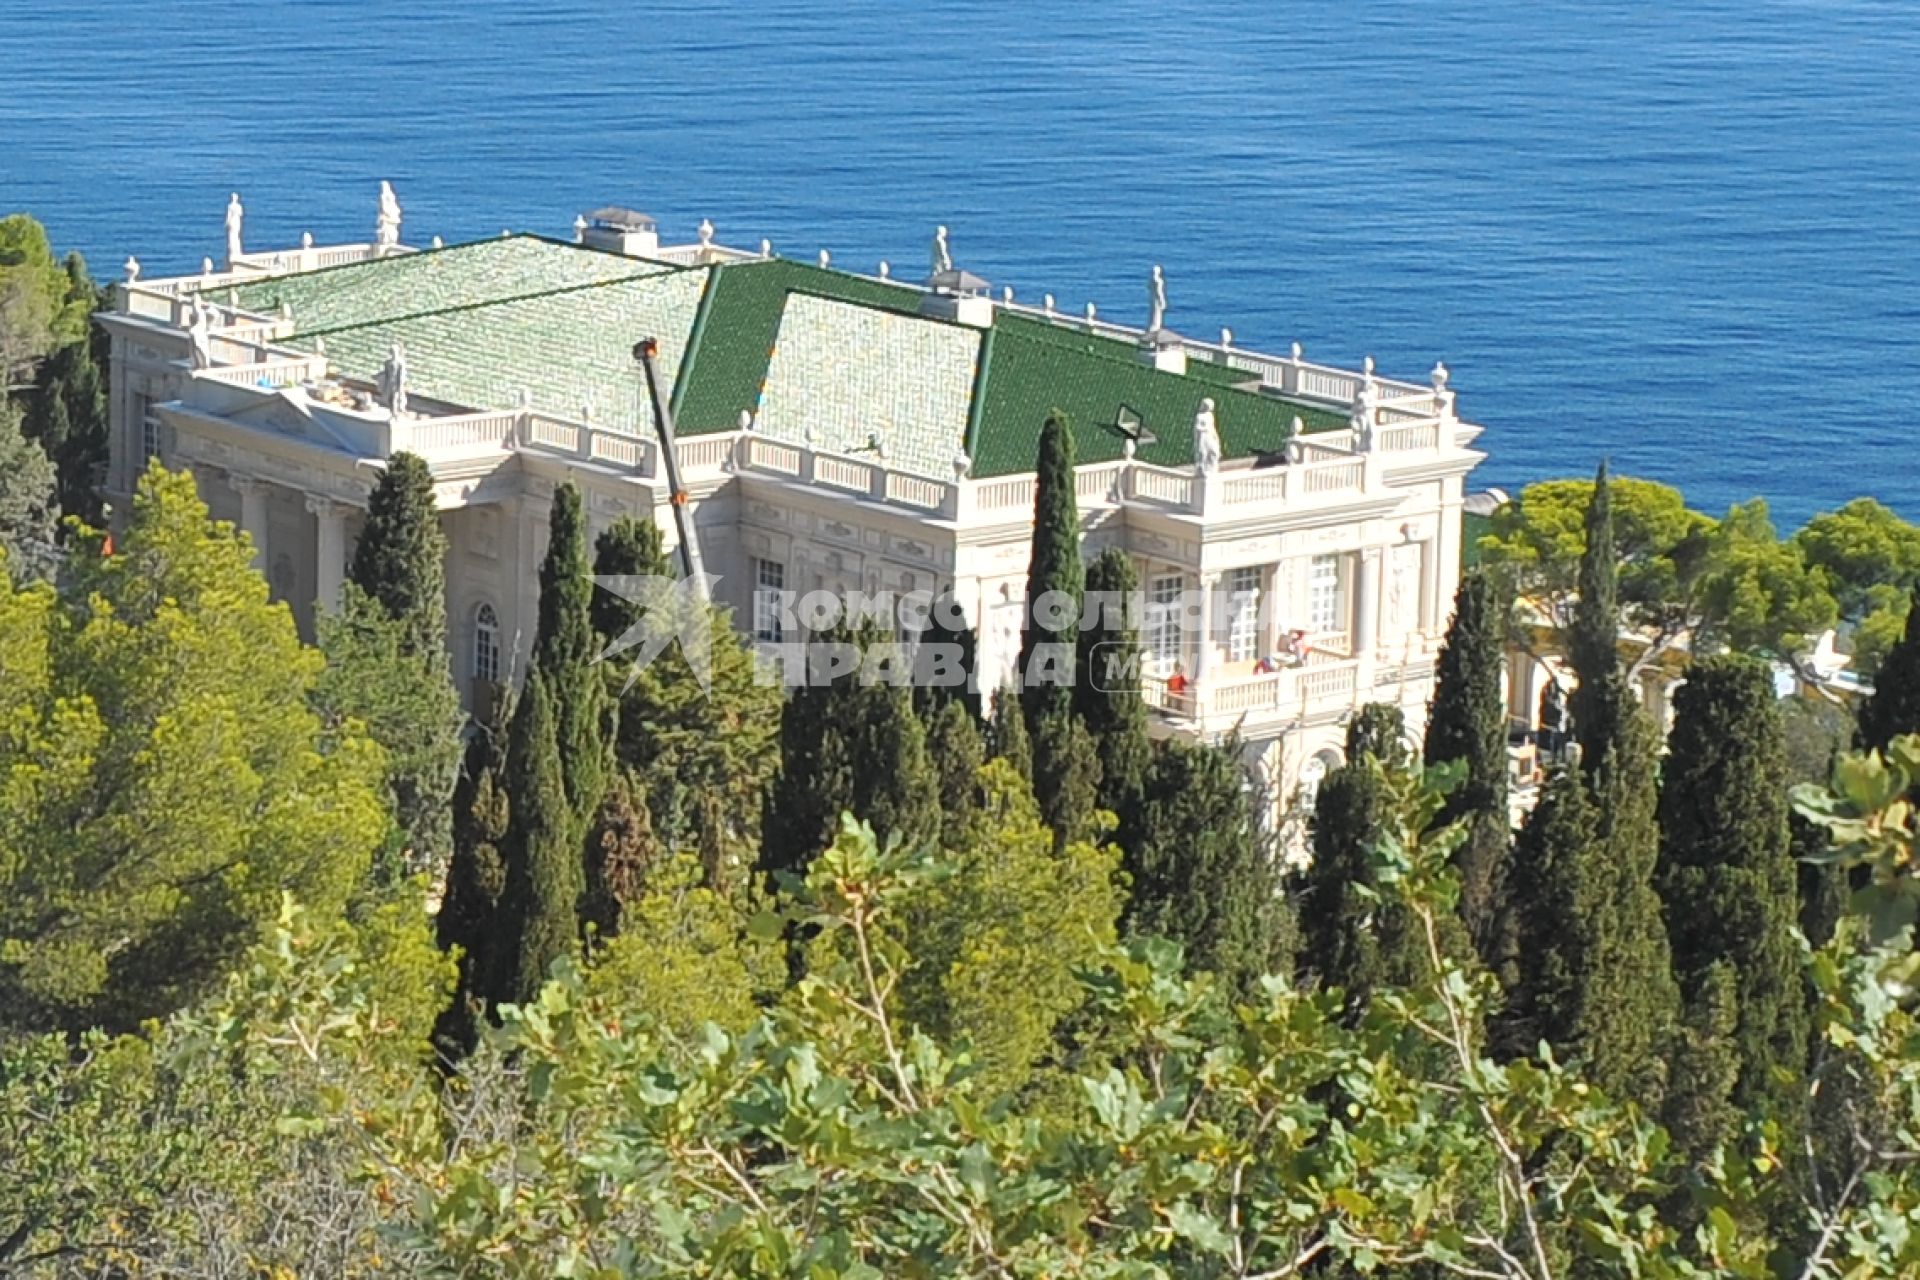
(1289,692)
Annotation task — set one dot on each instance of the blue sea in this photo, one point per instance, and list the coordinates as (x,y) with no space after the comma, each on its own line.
(1685,236)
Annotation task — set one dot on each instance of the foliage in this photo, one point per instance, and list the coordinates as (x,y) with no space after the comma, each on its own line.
(400,559)
(29,504)
(701,758)
(38,312)
(688,955)
(1007,734)
(1468,722)
(998,941)
(622,854)
(956,751)
(546,879)
(1199,875)
(1107,694)
(401,697)
(942,636)
(67,411)
(1894,708)
(1869,560)
(1054,575)
(1726,877)
(849,743)
(474,923)
(162,778)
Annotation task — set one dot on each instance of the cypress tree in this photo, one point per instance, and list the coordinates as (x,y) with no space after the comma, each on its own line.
(946,633)
(1066,768)
(1107,694)
(473,920)
(1727,876)
(400,560)
(1468,722)
(847,745)
(626,548)
(1894,708)
(1350,936)
(1553,885)
(1007,735)
(69,417)
(1598,704)
(546,868)
(1199,875)
(565,651)
(956,752)
(621,852)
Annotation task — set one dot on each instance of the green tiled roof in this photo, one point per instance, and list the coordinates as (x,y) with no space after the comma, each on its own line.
(807,350)
(1036,367)
(745,303)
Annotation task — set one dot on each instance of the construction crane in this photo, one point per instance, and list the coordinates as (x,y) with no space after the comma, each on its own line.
(644,352)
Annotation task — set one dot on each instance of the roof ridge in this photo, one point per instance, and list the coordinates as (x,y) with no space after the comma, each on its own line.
(1101,350)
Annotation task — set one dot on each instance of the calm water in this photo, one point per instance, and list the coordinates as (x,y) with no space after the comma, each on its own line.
(1686,236)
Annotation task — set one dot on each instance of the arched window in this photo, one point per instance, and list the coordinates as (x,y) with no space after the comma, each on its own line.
(486,644)
(1313,771)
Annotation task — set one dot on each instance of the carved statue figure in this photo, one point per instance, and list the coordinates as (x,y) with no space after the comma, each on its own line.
(200,335)
(1206,440)
(1157,314)
(941,257)
(386,229)
(393,382)
(235,214)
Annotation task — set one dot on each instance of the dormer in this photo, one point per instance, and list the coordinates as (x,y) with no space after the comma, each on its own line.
(617,230)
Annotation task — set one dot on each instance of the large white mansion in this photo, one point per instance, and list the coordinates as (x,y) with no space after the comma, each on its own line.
(836,430)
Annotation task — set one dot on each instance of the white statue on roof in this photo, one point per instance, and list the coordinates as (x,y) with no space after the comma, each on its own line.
(235,214)
(941,257)
(386,227)
(1206,440)
(1362,420)
(1157,313)
(393,382)
(200,334)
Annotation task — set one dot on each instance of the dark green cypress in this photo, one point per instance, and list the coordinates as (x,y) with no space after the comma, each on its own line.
(621,853)
(1468,722)
(1598,704)
(1053,571)
(1007,735)
(1727,875)
(847,746)
(1552,887)
(566,650)
(473,918)
(1351,937)
(1199,875)
(956,752)
(546,869)
(947,634)
(626,548)
(400,560)
(1894,708)
(1107,695)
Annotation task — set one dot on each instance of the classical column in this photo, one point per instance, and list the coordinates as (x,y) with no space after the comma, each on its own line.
(1446,560)
(330,550)
(253,514)
(1366,601)
(1273,622)
(1203,654)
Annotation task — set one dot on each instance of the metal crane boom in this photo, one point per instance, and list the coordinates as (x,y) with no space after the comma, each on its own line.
(644,352)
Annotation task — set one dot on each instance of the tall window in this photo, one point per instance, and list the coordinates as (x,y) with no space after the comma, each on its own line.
(1163,620)
(1243,626)
(486,644)
(149,428)
(769,581)
(1323,594)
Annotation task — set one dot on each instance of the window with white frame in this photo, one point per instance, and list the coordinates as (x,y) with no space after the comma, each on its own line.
(769,581)
(1243,617)
(1323,595)
(149,428)
(486,644)
(1163,620)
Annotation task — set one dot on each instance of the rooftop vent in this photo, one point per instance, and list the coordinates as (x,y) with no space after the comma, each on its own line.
(961,296)
(617,230)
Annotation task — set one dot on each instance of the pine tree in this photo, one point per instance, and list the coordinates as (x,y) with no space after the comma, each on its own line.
(1468,722)
(848,746)
(1894,708)
(28,507)
(1007,735)
(1199,875)
(546,868)
(1351,937)
(1107,694)
(400,560)
(1727,875)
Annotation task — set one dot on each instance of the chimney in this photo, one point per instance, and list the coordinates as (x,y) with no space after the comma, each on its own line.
(960,296)
(617,230)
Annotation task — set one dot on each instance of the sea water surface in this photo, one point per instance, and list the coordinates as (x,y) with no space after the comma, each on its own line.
(1682,236)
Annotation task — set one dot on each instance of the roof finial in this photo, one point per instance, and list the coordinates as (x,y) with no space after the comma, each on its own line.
(1298,351)
(1226,337)
(438,243)
(386,224)
(206,266)
(132,268)
(1092,311)
(886,269)
(1157,311)
(826,259)
(940,257)
(766,248)
(706,233)
(1006,295)
(1439,375)
(306,239)
(1047,302)
(579,228)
